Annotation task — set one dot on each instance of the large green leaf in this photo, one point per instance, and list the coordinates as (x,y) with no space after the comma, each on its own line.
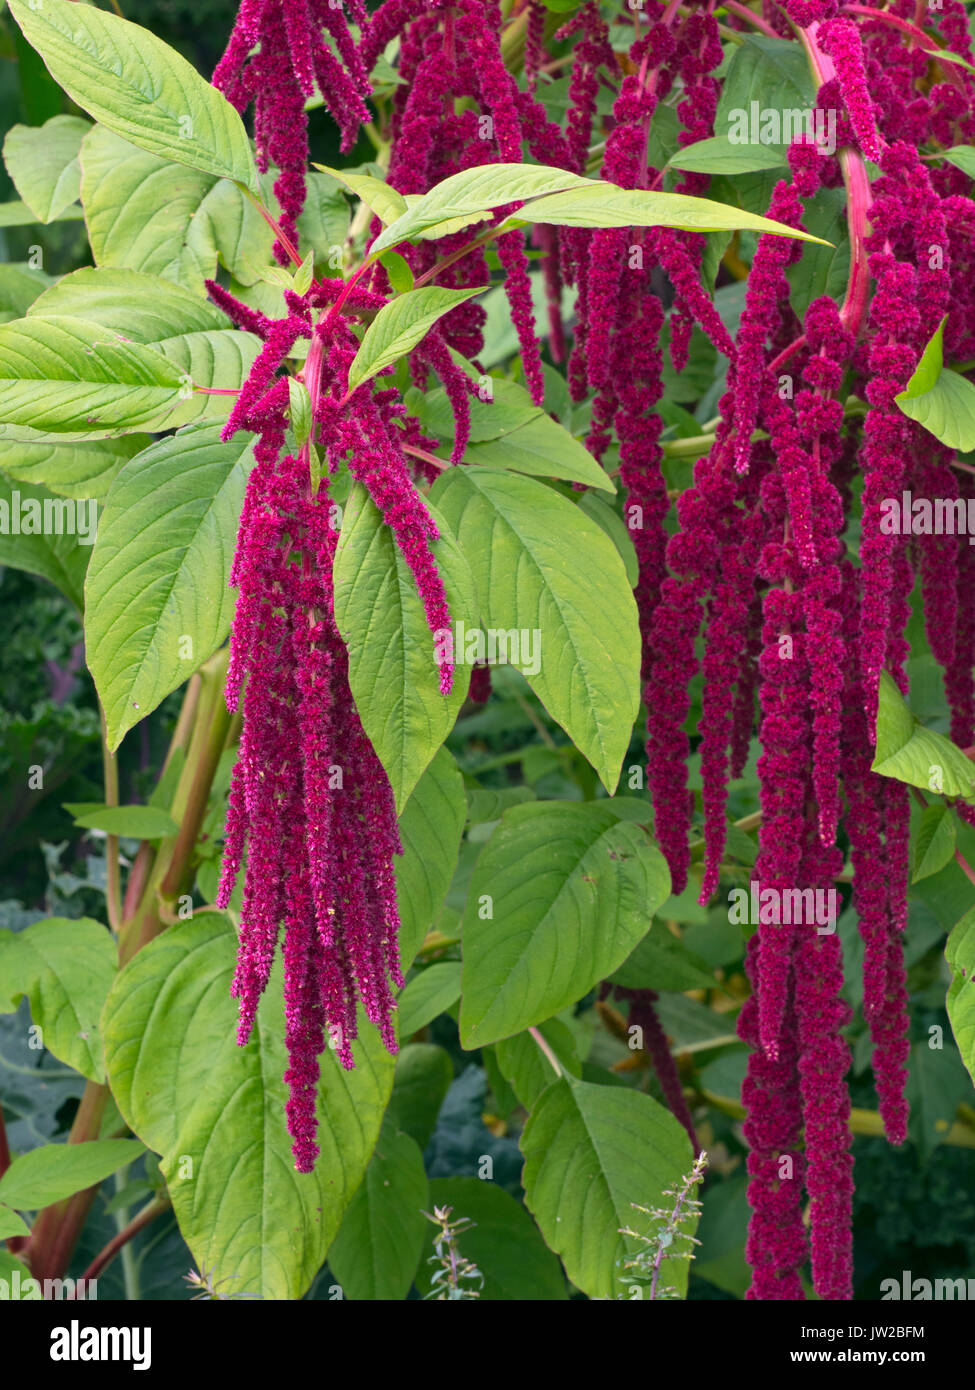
(509,431)
(378,1246)
(43,163)
(503,1243)
(138,822)
(82,469)
(157,598)
(148,214)
(565,200)
(188,331)
(393,670)
(430,828)
(138,86)
(591,1152)
(940,400)
(65,374)
(541,566)
(146,308)
(431,992)
(605,205)
(20,284)
(560,896)
(383,200)
(960,955)
(61,558)
(660,961)
(934,844)
(523,1063)
(477,190)
(915,755)
(421,1081)
(399,326)
(772,72)
(719,155)
(215,1111)
(18,214)
(65,968)
(54,1171)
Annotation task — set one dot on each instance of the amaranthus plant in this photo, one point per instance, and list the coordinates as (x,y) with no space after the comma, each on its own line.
(531,452)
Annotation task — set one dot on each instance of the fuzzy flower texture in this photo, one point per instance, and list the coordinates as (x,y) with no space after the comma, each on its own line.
(755,588)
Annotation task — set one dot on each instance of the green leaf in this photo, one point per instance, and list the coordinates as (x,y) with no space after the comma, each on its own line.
(399,326)
(157,599)
(82,469)
(138,86)
(393,672)
(510,431)
(20,284)
(963,157)
(504,1243)
(605,205)
(938,399)
(541,448)
(137,822)
(662,962)
(930,363)
(216,1111)
(564,200)
(54,1171)
(146,309)
(65,968)
(430,828)
(164,219)
(304,274)
(590,1153)
(566,891)
(428,994)
(523,1063)
(43,163)
(934,845)
(720,155)
(774,73)
(960,955)
(378,1246)
(60,558)
(66,374)
(422,1079)
(384,201)
(18,214)
(11,1224)
(398,270)
(477,190)
(18,1278)
(299,406)
(323,224)
(822,269)
(607,520)
(915,755)
(524,544)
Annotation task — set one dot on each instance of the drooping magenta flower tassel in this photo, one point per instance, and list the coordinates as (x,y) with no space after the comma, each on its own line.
(276,57)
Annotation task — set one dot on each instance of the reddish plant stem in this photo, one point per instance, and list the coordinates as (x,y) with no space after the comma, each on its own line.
(749,16)
(279,234)
(858,196)
(427,458)
(4,1146)
(109,1251)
